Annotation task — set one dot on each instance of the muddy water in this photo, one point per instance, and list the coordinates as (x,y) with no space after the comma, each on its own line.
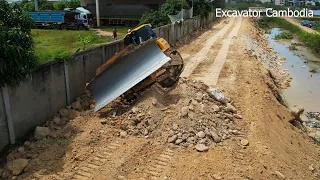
(305,85)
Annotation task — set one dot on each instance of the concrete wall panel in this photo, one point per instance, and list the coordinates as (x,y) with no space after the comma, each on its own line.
(166,30)
(157,31)
(91,60)
(76,77)
(35,100)
(4,134)
(190,26)
(177,29)
(172,34)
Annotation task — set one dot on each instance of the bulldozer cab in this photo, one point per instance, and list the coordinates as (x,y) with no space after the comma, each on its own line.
(139,35)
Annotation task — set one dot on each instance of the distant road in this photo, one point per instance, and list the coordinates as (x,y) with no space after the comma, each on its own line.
(297,22)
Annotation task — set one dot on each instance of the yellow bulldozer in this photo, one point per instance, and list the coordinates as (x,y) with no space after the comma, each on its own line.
(145,60)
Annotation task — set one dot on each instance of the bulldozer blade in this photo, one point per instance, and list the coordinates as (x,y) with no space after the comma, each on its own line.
(126,72)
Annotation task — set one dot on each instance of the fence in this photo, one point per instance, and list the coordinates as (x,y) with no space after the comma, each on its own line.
(56,84)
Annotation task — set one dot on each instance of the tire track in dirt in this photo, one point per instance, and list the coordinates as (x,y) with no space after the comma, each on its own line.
(151,162)
(214,71)
(202,68)
(104,163)
(87,168)
(202,54)
(193,47)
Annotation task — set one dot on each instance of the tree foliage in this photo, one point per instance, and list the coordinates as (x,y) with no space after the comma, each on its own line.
(45,5)
(60,5)
(219,3)
(160,17)
(202,7)
(74,4)
(16,45)
(64,4)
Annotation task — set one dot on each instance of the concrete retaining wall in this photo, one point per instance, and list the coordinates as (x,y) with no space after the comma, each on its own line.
(4,133)
(56,84)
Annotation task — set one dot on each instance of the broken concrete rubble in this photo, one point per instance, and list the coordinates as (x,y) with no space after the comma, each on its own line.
(17,166)
(41,132)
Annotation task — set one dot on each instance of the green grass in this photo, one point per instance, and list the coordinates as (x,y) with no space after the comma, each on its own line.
(284,35)
(311,40)
(52,44)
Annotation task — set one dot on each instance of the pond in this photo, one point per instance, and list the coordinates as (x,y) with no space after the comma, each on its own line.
(304,68)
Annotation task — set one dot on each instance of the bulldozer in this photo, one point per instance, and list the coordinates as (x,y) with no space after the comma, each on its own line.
(145,60)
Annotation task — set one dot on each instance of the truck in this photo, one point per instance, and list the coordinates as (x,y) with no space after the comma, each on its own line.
(64,20)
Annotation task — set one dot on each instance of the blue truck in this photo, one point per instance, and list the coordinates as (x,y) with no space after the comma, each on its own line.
(62,19)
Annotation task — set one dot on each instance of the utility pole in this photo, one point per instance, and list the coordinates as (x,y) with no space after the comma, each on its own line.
(97,13)
(36,8)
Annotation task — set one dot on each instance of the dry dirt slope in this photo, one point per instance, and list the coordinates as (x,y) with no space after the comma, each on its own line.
(89,146)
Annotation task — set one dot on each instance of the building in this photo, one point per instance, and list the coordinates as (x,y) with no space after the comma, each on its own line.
(121,7)
(279,2)
(115,9)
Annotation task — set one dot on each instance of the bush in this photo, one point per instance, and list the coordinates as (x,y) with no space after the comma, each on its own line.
(16,54)
(284,35)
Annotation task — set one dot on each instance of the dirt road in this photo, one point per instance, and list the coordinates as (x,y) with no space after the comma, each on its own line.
(296,22)
(252,140)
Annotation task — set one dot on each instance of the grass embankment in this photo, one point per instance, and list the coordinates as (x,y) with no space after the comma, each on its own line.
(309,39)
(52,44)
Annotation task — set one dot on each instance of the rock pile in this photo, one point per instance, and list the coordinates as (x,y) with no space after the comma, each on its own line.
(20,159)
(259,48)
(313,115)
(189,115)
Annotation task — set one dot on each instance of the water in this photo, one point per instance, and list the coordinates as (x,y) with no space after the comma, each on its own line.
(305,85)
(316,12)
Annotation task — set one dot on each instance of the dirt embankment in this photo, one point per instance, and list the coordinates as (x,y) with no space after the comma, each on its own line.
(182,132)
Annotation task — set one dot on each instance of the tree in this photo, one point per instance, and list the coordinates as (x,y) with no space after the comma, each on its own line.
(17,53)
(160,17)
(74,4)
(63,4)
(219,3)
(45,5)
(60,5)
(202,7)
(28,6)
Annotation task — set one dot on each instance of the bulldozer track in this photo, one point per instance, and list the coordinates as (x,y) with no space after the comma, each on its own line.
(86,171)
(155,170)
(87,168)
